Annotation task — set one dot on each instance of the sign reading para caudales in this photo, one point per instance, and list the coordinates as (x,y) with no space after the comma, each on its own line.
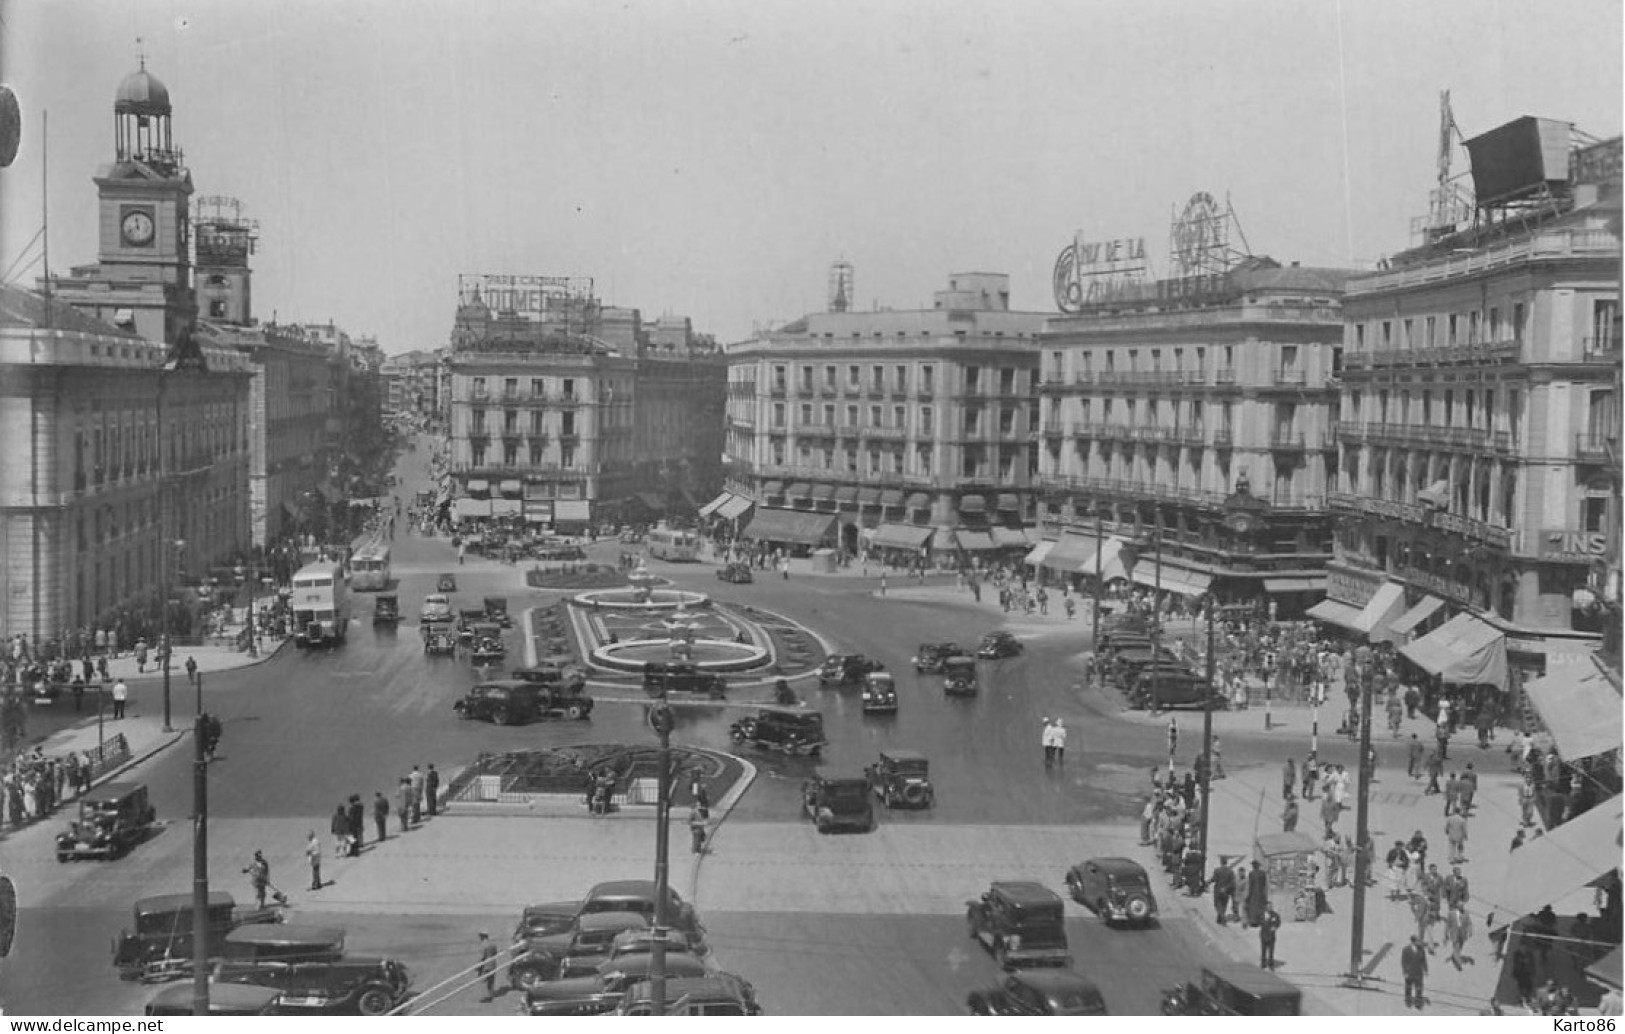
(1580,547)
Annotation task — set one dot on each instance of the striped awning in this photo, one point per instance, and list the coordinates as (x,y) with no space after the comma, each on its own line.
(1182,580)
(900,536)
(716,504)
(1466,650)
(1111,560)
(1407,622)
(1037,554)
(735,507)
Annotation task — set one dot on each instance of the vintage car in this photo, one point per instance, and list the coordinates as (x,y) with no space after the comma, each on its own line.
(446,583)
(159,944)
(436,607)
(679,678)
(929,657)
(1116,629)
(720,994)
(224,1000)
(1233,989)
(366,985)
(439,641)
(879,693)
(1021,923)
(602,991)
(496,611)
(513,702)
(568,677)
(612,896)
(1172,688)
(386,609)
(785,731)
(739,574)
(901,778)
(277,942)
(488,648)
(997,645)
(1039,992)
(469,617)
(629,944)
(590,934)
(846,669)
(1115,889)
(112,820)
(959,676)
(838,803)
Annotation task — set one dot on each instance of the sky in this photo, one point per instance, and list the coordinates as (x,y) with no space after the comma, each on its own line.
(713,159)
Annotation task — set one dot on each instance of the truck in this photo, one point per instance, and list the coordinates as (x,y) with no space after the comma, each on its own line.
(321,605)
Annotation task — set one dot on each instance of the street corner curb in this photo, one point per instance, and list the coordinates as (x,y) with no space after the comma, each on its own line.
(725,807)
(165,741)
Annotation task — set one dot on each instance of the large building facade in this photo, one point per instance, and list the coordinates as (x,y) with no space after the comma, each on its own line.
(910,428)
(1479,434)
(1200,413)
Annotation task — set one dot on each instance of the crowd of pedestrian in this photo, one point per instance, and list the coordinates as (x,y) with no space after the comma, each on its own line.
(415,796)
(33,785)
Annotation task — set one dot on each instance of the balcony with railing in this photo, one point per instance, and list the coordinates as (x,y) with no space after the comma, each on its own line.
(1289,376)
(1224,437)
(1595,448)
(1550,245)
(1601,349)
(1287,441)
(1480,353)
(891,433)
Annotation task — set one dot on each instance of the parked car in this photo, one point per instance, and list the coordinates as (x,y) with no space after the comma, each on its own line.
(1039,992)
(786,731)
(468,617)
(436,607)
(846,669)
(1233,989)
(367,985)
(739,574)
(513,702)
(440,642)
(671,678)
(1173,688)
(720,994)
(901,778)
(568,677)
(1116,628)
(590,934)
(879,693)
(612,896)
(997,645)
(602,992)
(1021,923)
(959,676)
(496,611)
(386,609)
(224,1000)
(158,946)
(112,819)
(279,942)
(630,944)
(488,647)
(1116,889)
(446,583)
(838,803)
(929,657)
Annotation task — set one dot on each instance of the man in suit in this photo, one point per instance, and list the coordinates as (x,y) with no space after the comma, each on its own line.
(1266,936)
(1413,962)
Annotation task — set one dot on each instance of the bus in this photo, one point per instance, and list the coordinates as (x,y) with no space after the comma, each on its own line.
(321,604)
(369,568)
(673,544)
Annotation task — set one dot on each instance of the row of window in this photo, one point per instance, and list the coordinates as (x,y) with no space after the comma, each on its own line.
(920,462)
(1475,327)
(537,388)
(129,449)
(1157,360)
(512,424)
(895,378)
(521,454)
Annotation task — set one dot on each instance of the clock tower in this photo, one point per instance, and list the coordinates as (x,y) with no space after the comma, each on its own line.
(143,277)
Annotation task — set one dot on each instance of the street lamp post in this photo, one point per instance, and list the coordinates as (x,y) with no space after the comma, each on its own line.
(1100,580)
(1156,624)
(662,720)
(1362,815)
(200,870)
(1207,737)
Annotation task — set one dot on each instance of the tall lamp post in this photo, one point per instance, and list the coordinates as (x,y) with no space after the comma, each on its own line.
(1100,581)
(1156,625)
(1207,736)
(1362,857)
(164,649)
(662,720)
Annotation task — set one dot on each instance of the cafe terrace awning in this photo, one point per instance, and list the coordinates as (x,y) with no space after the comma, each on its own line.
(901,536)
(512,488)
(798,526)
(1069,553)
(507,507)
(1182,580)
(1300,583)
(1009,501)
(462,509)
(1009,538)
(1465,650)
(973,541)
(1037,554)
(1111,560)
(1568,858)
(1580,707)
(478,487)
(1386,604)
(773,488)
(716,504)
(799,490)
(735,508)
(1405,625)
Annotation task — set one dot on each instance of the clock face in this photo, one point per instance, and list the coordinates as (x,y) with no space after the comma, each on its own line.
(137,227)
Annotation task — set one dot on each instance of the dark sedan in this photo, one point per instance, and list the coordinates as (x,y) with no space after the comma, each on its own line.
(1039,992)
(997,645)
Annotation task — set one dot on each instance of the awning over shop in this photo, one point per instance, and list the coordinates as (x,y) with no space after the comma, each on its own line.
(1608,971)
(716,504)
(1402,626)
(799,490)
(1579,706)
(846,494)
(1333,612)
(773,488)
(797,526)
(512,489)
(901,536)
(465,508)
(507,507)
(1069,553)
(868,497)
(972,504)
(918,501)
(1465,650)
(1297,584)
(1173,579)
(1568,858)
(891,497)
(974,541)
(735,508)
(478,487)
(1008,538)
(1371,620)
(1037,554)
(1009,501)
(823,491)
(1111,561)
(577,510)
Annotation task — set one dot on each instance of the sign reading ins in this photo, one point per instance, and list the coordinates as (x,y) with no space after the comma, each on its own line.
(1580,547)
(1095,271)
(531,296)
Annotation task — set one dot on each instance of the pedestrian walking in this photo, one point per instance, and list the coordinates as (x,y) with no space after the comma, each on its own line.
(1455,831)
(696,829)
(1047,739)
(358,824)
(1173,737)
(1413,963)
(259,877)
(431,789)
(1289,816)
(1435,769)
(403,802)
(1458,926)
(417,785)
(1526,802)
(191,671)
(121,696)
(1224,889)
(1329,810)
(313,852)
(1289,778)
(1258,894)
(380,814)
(1311,776)
(1456,890)
(1468,789)
(1266,936)
(488,966)
(340,827)
(1413,763)
(1059,739)
(1452,794)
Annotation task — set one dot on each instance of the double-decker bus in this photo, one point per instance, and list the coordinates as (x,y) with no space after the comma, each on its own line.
(369,568)
(321,604)
(673,544)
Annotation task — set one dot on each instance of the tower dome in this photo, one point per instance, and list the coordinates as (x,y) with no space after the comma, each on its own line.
(141,94)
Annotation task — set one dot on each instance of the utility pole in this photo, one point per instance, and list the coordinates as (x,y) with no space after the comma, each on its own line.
(1362,816)
(1207,737)
(661,719)
(1156,626)
(1100,580)
(200,871)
